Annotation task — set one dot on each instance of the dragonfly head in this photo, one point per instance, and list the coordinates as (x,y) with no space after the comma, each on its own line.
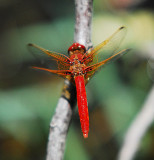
(76,46)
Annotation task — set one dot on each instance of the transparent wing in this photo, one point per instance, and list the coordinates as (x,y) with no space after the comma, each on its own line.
(90,70)
(106,48)
(62,73)
(49,59)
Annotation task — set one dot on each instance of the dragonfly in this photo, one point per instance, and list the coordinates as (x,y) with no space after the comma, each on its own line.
(81,65)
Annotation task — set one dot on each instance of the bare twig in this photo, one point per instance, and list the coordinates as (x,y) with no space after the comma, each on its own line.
(82,33)
(138,128)
(60,123)
(61,119)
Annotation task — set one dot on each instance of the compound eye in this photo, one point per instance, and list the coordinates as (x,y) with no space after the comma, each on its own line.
(76,46)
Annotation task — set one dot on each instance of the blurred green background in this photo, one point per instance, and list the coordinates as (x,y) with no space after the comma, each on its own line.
(115,94)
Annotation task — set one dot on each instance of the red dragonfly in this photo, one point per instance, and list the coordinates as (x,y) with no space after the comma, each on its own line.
(81,65)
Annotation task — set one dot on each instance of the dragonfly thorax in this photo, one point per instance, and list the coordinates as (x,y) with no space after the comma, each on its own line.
(77,66)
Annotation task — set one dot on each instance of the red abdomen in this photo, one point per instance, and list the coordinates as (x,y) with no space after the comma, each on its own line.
(82,105)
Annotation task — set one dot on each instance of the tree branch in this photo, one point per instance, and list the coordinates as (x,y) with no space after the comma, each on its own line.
(84,9)
(61,119)
(138,128)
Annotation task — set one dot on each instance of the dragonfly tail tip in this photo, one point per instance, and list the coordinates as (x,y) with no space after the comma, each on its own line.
(85,135)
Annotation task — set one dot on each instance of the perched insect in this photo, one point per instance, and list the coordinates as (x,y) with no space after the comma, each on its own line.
(81,65)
